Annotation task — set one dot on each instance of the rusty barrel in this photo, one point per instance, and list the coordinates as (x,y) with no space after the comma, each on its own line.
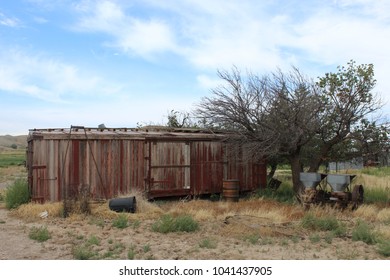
(231,190)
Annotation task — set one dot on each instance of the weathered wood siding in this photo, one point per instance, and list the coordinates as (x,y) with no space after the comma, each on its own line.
(110,163)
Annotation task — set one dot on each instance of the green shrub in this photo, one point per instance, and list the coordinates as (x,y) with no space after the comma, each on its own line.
(136,224)
(17,194)
(39,234)
(131,253)
(384,248)
(13,158)
(121,221)
(377,171)
(96,221)
(164,225)
(329,237)
(146,248)
(376,195)
(362,232)
(252,238)
(186,223)
(86,250)
(114,251)
(93,240)
(324,223)
(83,252)
(340,231)
(183,223)
(284,193)
(315,238)
(208,243)
(2,195)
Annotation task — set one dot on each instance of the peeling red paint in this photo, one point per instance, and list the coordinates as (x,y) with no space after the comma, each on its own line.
(115,162)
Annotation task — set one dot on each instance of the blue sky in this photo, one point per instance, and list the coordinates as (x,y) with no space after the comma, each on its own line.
(120,62)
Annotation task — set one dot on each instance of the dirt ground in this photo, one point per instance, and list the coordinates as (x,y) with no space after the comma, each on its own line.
(215,240)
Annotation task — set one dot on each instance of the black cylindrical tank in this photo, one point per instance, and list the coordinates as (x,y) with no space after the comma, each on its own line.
(123,204)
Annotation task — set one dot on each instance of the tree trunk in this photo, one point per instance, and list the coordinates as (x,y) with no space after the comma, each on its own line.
(296,169)
(272,171)
(317,161)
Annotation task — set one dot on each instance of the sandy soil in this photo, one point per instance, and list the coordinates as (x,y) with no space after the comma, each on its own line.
(215,240)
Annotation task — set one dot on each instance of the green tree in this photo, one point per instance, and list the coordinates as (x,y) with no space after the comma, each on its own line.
(348,102)
(274,115)
(289,116)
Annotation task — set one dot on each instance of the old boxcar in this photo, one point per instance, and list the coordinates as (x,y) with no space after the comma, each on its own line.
(158,162)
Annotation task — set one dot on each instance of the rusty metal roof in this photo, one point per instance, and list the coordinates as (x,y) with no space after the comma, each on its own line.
(144,133)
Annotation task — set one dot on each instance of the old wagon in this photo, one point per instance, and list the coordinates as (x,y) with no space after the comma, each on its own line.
(335,189)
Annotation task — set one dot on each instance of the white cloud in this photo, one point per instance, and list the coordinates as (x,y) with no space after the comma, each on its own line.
(146,38)
(209,35)
(261,35)
(9,21)
(333,39)
(218,34)
(45,78)
(375,9)
(208,82)
(40,20)
(132,35)
(205,36)
(121,112)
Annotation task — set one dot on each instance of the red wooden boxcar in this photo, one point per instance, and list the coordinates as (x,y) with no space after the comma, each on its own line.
(158,162)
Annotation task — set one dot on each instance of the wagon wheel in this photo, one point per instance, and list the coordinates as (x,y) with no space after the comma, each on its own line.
(307,198)
(357,196)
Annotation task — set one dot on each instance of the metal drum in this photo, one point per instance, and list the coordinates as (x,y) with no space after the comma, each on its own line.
(231,190)
(123,204)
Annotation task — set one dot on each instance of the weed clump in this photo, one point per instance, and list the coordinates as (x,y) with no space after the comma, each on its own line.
(83,252)
(331,224)
(183,223)
(93,240)
(362,232)
(121,221)
(17,194)
(283,194)
(2,195)
(131,253)
(39,234)
(208,243)
(325,223)
(384,248)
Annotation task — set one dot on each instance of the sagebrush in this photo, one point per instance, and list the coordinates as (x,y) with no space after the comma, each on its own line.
(17,194)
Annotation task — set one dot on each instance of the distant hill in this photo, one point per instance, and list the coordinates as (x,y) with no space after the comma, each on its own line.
(8,142)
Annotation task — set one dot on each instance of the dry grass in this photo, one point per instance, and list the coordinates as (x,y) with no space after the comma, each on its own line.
(10,173)
(383,215)
(246,218)
(372,181)
(2,194)
(367,212)
(32,211)
(245,224)
(203,210)
(254,220)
